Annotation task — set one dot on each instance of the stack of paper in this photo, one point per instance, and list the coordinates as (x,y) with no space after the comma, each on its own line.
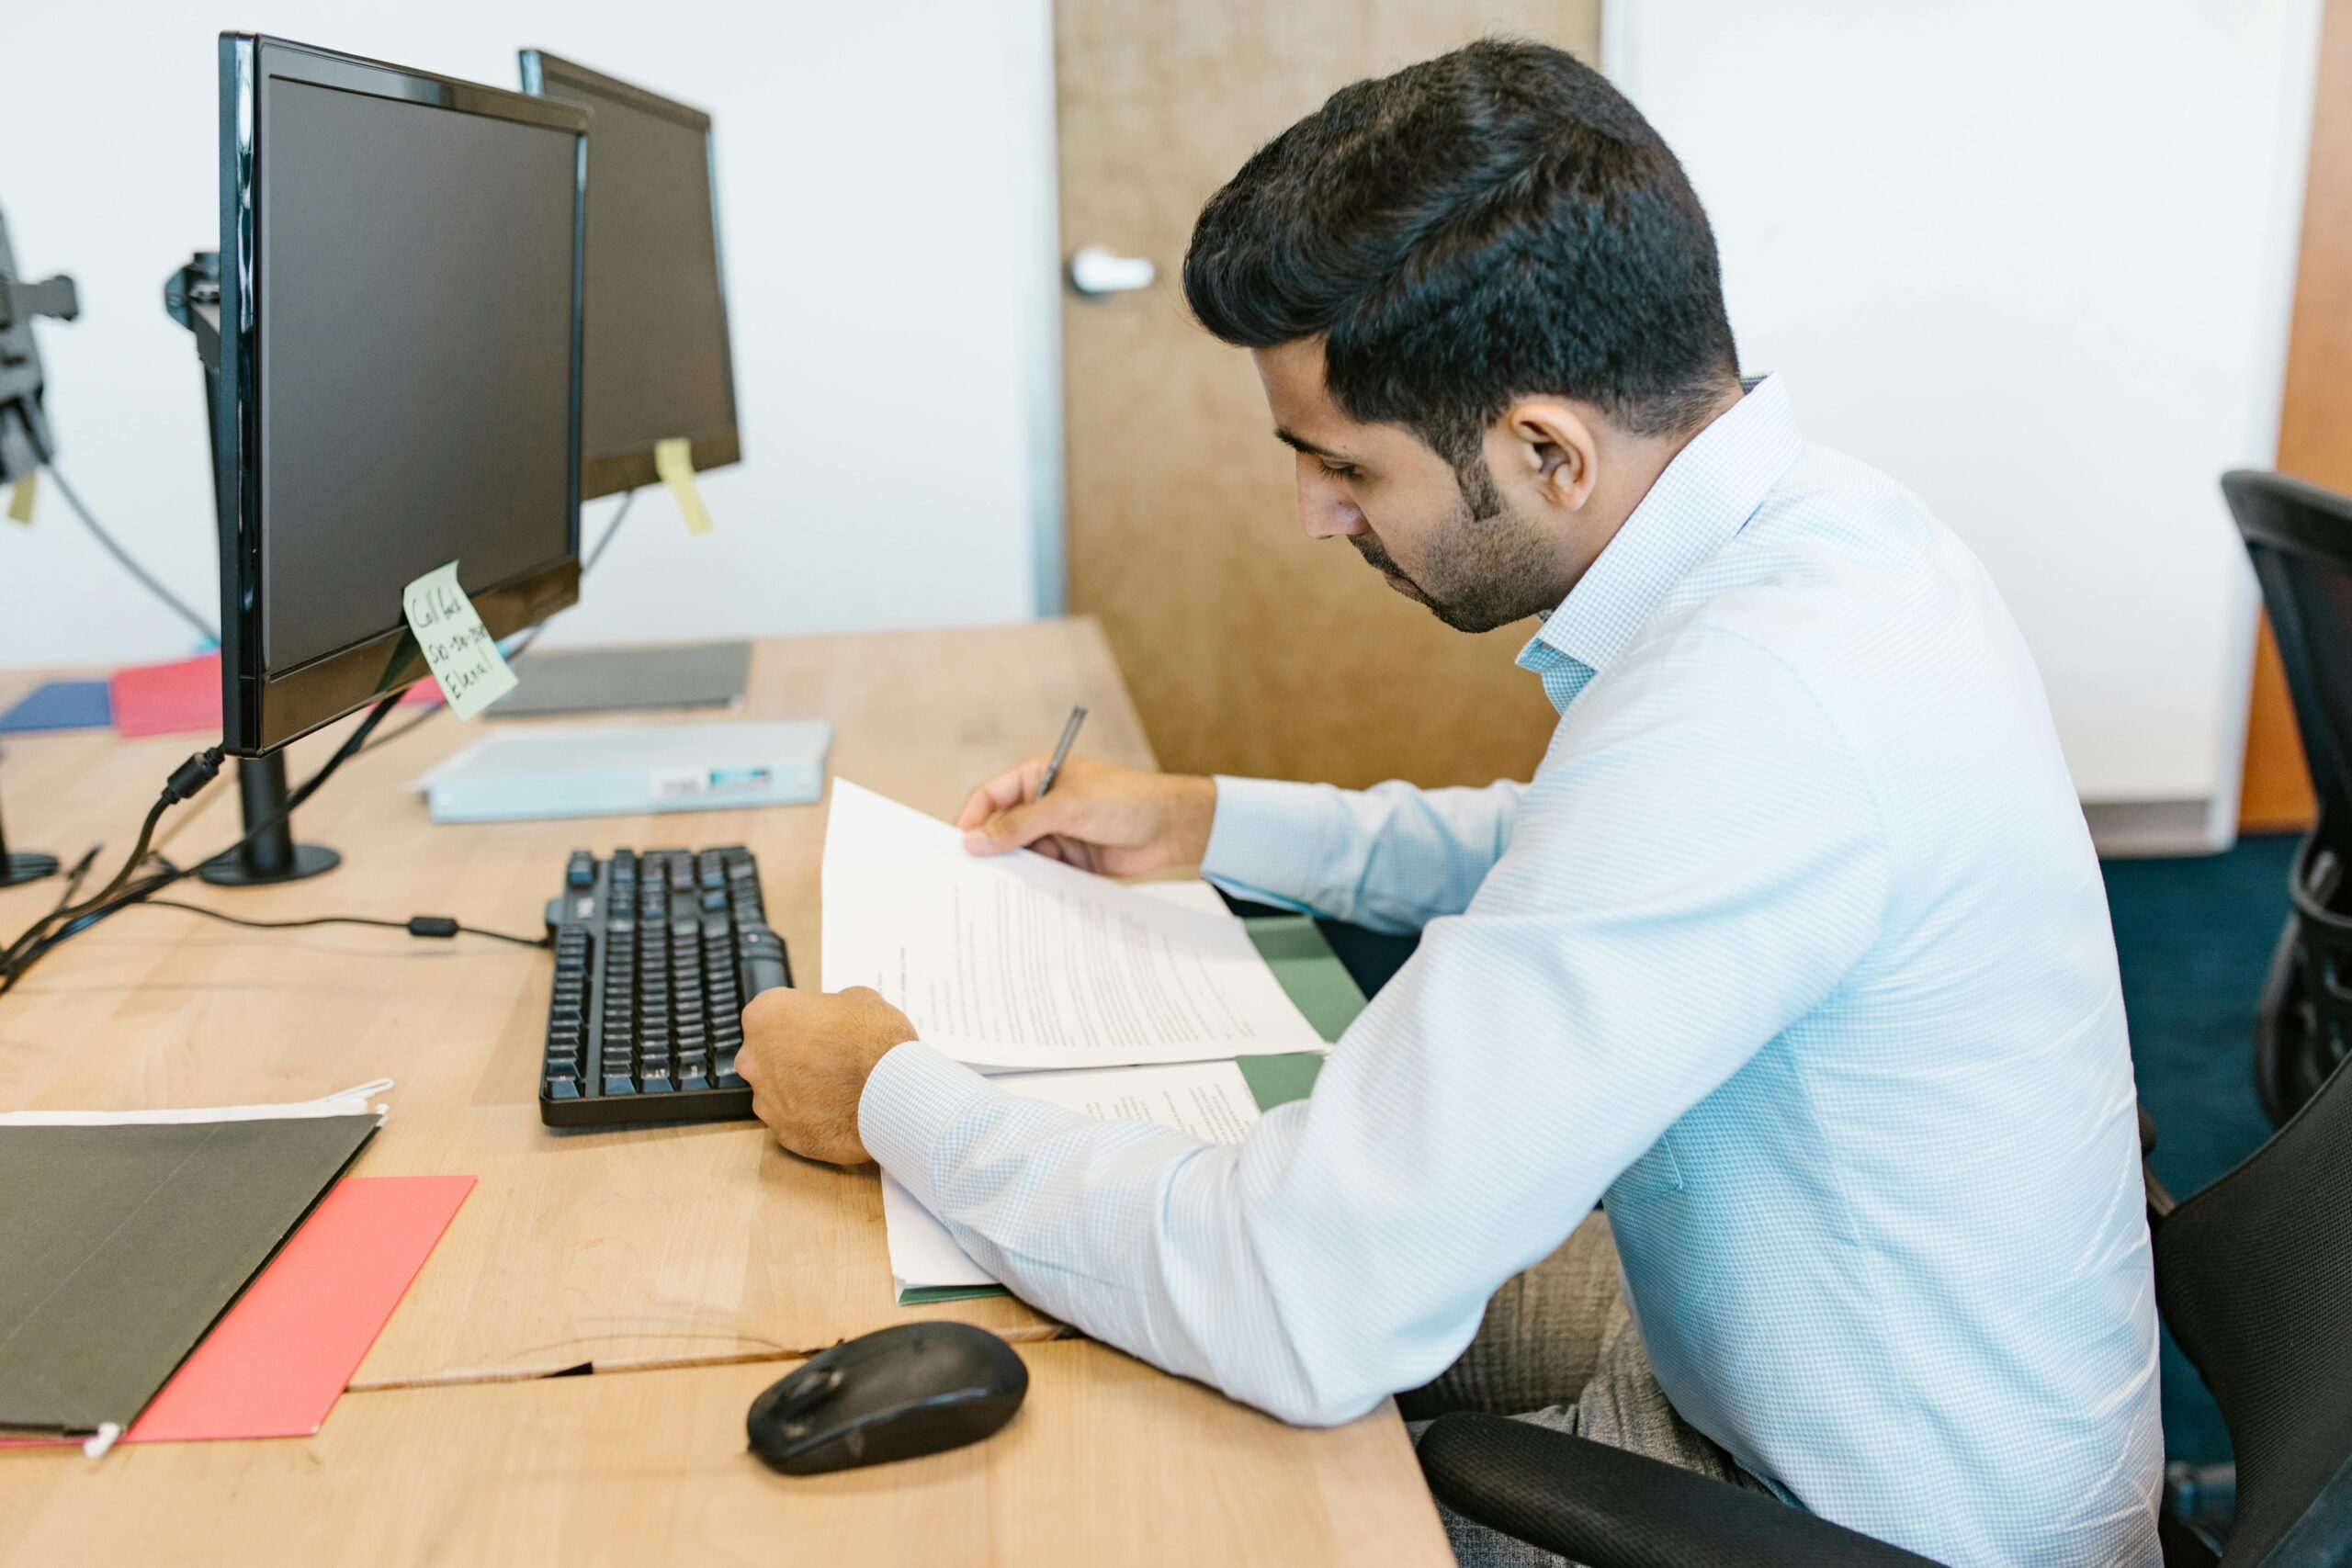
(1018,961)
(1166,1005)
(1209,1099)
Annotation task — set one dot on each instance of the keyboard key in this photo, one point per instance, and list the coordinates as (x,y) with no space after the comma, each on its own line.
(619,1084)
(759,955)
(562,1089)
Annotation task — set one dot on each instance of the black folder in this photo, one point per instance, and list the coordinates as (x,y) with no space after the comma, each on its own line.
(122,1244)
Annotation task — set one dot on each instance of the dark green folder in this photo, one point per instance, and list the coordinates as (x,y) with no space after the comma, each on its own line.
(1294,948)
(121,1243)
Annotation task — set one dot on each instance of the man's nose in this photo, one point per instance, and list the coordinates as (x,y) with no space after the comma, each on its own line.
(1325,510)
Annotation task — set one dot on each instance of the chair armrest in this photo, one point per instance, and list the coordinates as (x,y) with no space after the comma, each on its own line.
(1607,1509)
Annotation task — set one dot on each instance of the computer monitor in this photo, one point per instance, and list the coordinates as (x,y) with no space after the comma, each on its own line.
(656,364)
(400,358)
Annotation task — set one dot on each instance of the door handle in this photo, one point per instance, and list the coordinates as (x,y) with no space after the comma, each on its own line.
(1096,270)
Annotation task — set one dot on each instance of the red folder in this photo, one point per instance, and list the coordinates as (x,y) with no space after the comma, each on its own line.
(278,1359)
(182,698)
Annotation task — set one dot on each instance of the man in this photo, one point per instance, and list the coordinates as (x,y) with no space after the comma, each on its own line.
(1794,949)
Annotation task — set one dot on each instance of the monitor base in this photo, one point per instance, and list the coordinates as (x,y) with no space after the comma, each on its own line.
(271,855)
(18,869)
(308,861)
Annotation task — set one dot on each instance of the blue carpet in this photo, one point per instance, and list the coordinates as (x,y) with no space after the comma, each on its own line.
(2194,938)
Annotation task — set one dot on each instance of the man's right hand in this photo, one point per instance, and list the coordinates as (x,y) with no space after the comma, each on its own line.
(1099,817)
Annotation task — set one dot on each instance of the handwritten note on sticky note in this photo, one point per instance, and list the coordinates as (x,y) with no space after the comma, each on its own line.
(20,497)
(675,460)
(473,673)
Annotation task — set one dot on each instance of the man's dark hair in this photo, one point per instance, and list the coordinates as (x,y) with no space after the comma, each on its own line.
(1496,222)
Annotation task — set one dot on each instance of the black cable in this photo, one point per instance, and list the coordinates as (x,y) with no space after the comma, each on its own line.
(147,580)
(522,646)
(37,942)
(440,926)
(611,528)
(402,729)
(186,781)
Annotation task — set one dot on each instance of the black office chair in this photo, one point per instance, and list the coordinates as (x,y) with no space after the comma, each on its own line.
(2300,538)
(2254,1277)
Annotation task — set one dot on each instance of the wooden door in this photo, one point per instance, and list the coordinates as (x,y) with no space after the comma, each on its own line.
(2315,416)
(1249,647)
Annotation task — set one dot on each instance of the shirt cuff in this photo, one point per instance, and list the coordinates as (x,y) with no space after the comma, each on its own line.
(911,1098)
(1270,838)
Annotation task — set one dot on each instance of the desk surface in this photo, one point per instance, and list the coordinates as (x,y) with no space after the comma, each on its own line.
(635,1249)
(1108,1464)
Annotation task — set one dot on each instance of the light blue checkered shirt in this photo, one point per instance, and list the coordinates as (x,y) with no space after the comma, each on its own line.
(1795,947)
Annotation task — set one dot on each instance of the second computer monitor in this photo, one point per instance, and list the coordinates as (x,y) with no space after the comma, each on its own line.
(656,364)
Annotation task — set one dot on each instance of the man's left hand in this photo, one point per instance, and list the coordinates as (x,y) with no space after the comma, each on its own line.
(806,1055)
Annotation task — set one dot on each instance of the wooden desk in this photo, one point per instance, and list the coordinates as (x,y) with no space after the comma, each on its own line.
(1108,1463)
(687,1248)
(655,1247)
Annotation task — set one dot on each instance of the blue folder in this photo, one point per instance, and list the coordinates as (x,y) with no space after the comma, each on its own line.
(60,704)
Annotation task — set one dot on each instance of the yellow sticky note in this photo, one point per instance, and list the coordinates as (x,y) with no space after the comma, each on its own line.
(20,497)
(675,460)
(463,654)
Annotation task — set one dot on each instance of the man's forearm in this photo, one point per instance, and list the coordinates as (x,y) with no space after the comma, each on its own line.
(1392,858)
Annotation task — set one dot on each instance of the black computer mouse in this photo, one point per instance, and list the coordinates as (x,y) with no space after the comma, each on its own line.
(895,1393)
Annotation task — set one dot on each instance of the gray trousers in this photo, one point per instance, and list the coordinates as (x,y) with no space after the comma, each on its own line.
(1559,1348)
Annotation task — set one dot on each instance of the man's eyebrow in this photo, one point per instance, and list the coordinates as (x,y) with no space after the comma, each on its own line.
(1300,443)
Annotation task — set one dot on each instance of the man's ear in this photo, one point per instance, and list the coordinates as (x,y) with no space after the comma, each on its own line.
(1548,448)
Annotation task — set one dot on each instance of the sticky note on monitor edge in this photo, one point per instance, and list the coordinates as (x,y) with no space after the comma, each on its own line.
(20,497)
(458,648)
(675,460)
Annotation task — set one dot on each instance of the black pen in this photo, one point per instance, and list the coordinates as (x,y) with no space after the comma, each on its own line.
(1061,749)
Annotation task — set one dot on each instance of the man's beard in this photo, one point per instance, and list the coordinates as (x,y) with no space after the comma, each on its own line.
(1487,567)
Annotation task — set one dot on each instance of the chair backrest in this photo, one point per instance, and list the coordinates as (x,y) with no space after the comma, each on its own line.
(2253,1275)
(2300,538)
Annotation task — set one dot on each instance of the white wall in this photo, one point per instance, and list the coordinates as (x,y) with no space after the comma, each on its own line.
(2033,258)
(886,207)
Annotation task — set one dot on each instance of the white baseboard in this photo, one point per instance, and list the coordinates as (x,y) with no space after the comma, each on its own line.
(2149,827)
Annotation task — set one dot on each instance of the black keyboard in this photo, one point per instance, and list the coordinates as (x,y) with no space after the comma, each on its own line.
(656,952)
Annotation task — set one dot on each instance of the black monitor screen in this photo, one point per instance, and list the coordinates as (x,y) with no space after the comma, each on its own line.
(654,353)
(414,293)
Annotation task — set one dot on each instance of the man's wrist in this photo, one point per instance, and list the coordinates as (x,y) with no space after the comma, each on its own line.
(1196,818)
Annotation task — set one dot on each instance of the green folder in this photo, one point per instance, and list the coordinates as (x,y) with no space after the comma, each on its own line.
(1294,948)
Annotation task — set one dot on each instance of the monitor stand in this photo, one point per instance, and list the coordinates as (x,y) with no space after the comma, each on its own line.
(192,298)
(271,855)
(24,866)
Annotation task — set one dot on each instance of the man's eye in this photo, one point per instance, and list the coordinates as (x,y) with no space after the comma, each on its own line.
(1337,470)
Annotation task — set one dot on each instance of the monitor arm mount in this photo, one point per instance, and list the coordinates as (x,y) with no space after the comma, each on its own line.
(24,430)
(192,298)
(24,440)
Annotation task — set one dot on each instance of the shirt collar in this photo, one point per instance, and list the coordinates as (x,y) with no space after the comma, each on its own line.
(1698,503)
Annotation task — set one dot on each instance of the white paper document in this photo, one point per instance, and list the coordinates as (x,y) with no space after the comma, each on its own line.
(1209,1099)
(1018,961)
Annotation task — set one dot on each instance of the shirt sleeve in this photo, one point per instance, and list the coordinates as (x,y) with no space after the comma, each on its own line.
(1697,866)
(1391,858)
